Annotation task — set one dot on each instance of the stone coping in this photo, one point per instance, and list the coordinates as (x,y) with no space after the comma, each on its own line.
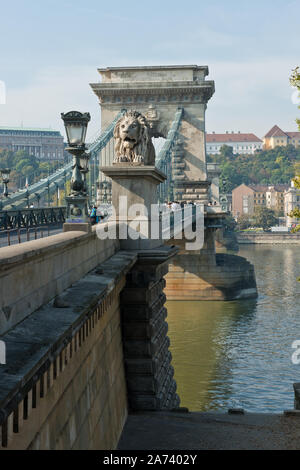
(162,85)
(128,170)
(35,343)
(155,67)
(14,254)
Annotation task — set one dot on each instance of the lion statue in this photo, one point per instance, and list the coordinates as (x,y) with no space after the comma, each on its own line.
(133,142)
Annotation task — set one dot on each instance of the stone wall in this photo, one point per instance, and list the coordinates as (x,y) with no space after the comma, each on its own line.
(63,385)
(35,272)
(268,238)
(149,373)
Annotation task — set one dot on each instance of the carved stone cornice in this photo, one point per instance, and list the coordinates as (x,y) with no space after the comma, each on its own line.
(163,92)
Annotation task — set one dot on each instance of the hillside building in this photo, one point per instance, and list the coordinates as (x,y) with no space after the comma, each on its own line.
(277,137)
(44,144)
(240,143)
(291,202)
(245,198)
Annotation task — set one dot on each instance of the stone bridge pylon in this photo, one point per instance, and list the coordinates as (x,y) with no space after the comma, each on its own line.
(157,92)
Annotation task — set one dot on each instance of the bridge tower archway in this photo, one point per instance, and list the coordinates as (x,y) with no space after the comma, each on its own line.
(158,92)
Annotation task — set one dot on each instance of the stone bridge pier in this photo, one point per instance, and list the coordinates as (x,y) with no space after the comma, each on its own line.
(158,92)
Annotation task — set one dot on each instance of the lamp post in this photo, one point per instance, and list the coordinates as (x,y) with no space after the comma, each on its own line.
(76,126)
(105,186)
(27,198)
(5,179)
(84,168)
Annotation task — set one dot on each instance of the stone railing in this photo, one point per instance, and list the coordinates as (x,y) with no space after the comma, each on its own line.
(33,273)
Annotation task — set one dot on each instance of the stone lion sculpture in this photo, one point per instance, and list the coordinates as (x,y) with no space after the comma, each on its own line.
(133,142)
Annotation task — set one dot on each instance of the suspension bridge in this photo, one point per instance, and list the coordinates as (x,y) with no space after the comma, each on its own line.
(82,315)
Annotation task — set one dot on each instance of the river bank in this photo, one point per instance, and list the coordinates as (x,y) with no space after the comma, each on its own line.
(267,238)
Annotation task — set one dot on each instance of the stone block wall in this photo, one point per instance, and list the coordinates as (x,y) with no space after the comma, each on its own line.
(64,387)
(34,272)
(149,373)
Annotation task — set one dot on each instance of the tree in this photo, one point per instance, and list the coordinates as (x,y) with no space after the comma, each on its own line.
(243,222)
(226,151)
(229,223)
(264,217)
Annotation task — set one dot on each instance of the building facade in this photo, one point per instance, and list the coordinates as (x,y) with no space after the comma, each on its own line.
(44,144)
(291,202)
(245,198)
(241,143)
(277,137)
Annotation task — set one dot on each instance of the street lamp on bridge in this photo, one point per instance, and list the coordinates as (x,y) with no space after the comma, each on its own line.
(5,172)
(76,126)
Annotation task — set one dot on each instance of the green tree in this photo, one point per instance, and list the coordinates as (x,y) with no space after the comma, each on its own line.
(226,151)
(264,217)
(229,223)
(243,222)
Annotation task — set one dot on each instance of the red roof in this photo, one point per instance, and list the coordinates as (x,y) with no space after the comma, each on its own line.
(293,135)
(264,188)
(219,138)
(275,131)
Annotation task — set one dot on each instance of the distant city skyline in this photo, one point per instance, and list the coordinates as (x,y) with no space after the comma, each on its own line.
(53,49)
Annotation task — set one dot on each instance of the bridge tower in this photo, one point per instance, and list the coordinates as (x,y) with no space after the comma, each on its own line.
(158,92)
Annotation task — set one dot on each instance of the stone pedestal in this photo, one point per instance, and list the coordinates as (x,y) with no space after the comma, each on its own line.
(148,367)
(139,227)
(149,374)
(77,209)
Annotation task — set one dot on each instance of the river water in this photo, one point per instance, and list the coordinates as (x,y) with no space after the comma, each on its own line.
(238,354)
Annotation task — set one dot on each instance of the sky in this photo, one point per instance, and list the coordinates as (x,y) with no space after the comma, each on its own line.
(51,49)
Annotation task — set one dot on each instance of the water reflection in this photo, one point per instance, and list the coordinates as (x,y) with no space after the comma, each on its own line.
(239,353)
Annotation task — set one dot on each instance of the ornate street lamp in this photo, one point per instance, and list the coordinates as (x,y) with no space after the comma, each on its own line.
(5,172)
(84,168)
(5,179)
(76,126)
(105,187)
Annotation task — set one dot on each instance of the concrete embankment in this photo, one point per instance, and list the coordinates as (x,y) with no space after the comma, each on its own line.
(210,431)
(268,238)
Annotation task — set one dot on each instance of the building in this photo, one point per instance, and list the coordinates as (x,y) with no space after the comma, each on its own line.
(241,143)
(277,137)
(245,198)
(291,202)
(45,144)
(226,202)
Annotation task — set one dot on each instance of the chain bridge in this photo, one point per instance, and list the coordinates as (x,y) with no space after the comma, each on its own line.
(83,323)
